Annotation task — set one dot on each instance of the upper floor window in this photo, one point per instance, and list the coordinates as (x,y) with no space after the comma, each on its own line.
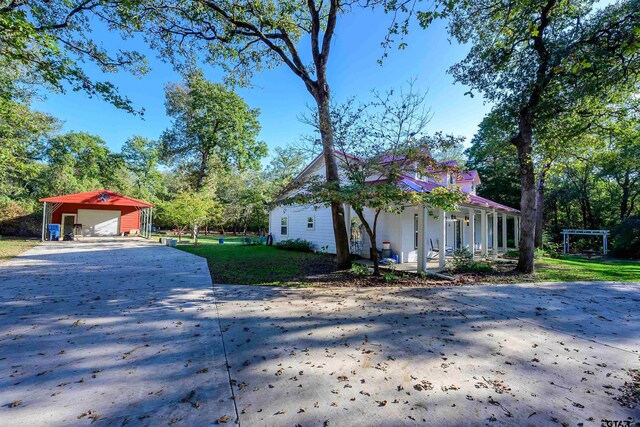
(284,226)
(311,223)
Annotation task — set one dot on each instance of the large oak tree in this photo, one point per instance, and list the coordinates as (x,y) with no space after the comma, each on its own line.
(540,58)
(245,36)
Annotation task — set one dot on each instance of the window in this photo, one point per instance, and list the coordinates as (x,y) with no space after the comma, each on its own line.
(452,179)
(415,231)
(284,226)
(310,223)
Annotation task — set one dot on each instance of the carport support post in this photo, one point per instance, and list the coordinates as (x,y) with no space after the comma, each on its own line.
(442,247)
(150,220)
(44,220)
(472,232)
(422,236)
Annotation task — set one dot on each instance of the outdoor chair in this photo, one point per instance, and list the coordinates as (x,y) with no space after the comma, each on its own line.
(448,250)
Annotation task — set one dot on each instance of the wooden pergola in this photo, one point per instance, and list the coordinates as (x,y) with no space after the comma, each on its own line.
(569,232)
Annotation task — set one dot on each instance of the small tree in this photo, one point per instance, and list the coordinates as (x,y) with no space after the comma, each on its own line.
(380,144)
(175,213)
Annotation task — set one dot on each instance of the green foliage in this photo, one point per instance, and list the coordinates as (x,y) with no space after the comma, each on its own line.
(210,123)
(23,137)
(299,245)
(462,262)
(19,217)
(360,270)
(626,238)
(79,162)
(141,158)
(45,43)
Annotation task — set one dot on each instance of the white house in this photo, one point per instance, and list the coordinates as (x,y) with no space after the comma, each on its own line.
(415,233)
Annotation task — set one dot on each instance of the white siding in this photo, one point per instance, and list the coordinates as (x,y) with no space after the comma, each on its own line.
(321,235)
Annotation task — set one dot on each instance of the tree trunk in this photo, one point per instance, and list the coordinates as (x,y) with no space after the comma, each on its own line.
(373,249)
(202,170)
(526,246)
(332,176)
(195,235)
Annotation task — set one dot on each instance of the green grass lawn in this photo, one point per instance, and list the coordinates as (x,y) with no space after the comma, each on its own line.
(579,268)
(12,246)
(234,263)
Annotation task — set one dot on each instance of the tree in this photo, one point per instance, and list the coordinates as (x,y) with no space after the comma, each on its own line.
(379,143)
(209,121)
(540,58)
(243,37)
(141,157)
(188,210)
(286,163)
(79,161)
(495,159)
(44,43)
(23,136)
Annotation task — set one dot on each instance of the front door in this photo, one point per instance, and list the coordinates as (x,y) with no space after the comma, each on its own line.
(458,234)
(67,223)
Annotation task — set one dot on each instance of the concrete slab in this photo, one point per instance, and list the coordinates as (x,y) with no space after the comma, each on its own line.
(115,331)
(487,355)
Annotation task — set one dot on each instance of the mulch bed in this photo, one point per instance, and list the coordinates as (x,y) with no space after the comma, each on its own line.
(322,273)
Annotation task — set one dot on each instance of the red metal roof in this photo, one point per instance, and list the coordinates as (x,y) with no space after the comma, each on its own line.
(98,197)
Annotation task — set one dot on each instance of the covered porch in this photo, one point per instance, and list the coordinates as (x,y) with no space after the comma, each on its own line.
(485,231)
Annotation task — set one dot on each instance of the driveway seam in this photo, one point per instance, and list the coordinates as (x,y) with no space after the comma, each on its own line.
(226,359)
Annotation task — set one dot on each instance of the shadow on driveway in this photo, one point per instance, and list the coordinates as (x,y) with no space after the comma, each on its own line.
(505,355)
(121,333)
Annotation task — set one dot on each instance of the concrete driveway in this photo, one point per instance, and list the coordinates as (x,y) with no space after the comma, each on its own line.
(556,354)
(120,332)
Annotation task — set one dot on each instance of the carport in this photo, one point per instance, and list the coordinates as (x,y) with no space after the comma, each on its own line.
(97,213)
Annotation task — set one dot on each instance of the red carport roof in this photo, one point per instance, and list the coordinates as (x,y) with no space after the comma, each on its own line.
(98,197)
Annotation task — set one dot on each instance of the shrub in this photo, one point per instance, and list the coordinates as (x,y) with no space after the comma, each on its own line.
(626,238)
(462,262)
(299,245)
(360,270)
(19,218)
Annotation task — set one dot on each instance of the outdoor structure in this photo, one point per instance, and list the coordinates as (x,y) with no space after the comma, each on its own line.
(97,213)
(480,225)
(567,233)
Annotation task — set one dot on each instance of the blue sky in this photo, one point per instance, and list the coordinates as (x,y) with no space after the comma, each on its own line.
(280,95)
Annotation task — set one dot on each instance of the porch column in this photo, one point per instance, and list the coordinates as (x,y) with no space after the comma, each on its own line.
(504,232)
(442,247)
(494,233)
(422,236)
(44,221)
(484,250)
(472,232)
